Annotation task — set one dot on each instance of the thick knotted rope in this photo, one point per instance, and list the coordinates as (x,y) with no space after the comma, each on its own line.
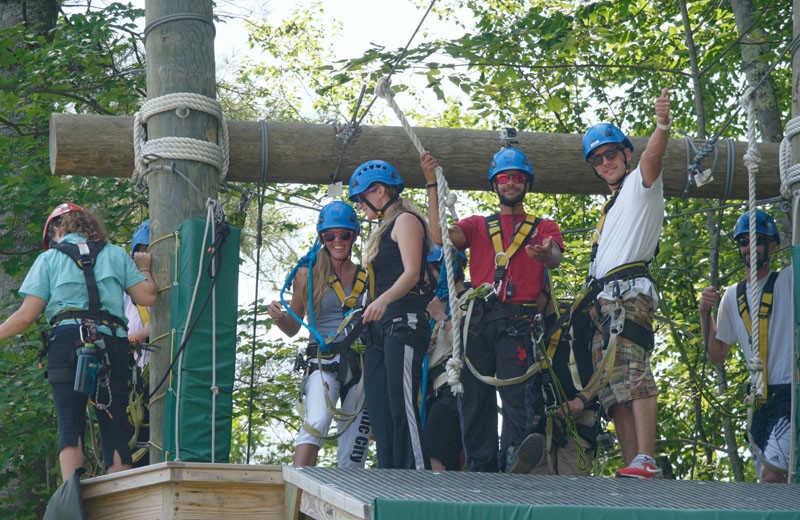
(751,160)
(184,148)
(447,201)
(790,173)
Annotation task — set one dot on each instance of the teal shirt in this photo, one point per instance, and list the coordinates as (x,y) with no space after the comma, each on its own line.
(57,279)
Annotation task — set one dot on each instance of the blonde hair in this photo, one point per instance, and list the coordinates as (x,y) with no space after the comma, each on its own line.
(374,242)
(320,273)
(83,223)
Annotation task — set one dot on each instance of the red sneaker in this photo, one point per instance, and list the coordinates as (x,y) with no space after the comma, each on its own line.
(642,466)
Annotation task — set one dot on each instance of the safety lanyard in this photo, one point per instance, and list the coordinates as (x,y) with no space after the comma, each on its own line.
(359,283)
(764,311)
(502,256)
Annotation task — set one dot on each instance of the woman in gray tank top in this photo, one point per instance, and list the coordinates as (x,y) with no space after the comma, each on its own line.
(337,285)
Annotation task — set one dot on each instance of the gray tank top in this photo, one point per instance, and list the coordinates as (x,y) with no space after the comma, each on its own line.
(328,318)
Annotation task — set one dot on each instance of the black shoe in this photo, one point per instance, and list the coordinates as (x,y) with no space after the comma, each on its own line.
(527,455)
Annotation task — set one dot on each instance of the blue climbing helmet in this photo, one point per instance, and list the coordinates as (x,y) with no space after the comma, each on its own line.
(141,235)
(603,133)
(371,172)
(765,225)
(437,253)
(338,214)
(509,158)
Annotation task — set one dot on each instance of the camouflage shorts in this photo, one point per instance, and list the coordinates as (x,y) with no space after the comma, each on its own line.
(631,378)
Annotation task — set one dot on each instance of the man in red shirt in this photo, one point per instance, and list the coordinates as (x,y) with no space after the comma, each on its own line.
(510,250)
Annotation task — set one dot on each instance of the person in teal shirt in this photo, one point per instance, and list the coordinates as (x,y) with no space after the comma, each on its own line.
(56,285)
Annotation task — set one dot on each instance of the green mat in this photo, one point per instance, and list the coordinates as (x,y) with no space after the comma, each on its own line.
(394,509)
(197,426)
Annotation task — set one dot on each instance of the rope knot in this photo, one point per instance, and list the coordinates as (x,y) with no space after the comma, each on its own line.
(453,368)
(755,365)
(383,87)
(747,98)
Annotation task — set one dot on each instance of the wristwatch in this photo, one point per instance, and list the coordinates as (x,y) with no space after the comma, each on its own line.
(664,127)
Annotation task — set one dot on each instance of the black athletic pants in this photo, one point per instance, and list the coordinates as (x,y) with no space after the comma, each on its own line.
(392,378)
(500,348)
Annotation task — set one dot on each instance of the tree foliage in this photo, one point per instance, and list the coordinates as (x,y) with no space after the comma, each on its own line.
(561,66)
(549,66)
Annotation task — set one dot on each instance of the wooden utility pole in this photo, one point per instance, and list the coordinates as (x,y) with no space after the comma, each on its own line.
(180,58)
(305,153)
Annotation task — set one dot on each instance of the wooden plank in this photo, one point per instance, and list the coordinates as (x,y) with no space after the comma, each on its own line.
(292,495)
(179,490)
(303,153)
(320,509)
(329,495)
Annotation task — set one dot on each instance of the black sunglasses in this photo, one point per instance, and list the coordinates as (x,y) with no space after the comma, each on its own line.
(330,236)
(745,241)
(596,159)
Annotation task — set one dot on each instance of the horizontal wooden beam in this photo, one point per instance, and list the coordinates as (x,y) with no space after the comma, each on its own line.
(305,153)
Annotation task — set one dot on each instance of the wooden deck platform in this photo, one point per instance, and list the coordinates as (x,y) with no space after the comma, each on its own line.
(184,490)
(179,490)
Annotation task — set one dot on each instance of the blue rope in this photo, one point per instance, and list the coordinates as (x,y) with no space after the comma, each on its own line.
(308,261)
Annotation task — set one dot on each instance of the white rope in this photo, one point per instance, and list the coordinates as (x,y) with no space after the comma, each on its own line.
(751,160)
(183,148)
(447,201)
(790,173)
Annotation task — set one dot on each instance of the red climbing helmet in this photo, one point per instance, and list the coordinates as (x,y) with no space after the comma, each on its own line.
(60,210)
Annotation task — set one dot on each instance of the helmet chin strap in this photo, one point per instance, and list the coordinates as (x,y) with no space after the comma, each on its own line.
(380,212)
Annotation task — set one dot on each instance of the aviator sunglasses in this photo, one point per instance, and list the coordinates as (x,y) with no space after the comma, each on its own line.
(596,159)
(330,236)
(745,241)
(517,177)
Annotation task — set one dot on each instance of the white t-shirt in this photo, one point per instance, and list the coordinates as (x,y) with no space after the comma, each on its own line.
(631,232)
(134,325)
(780,335)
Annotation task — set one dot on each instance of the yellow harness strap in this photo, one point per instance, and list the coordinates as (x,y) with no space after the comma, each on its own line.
(371,275)
(359,283)
(144,314)
(764,311)
(503,257)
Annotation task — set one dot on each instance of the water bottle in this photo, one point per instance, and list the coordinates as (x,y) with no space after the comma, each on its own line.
(86,371)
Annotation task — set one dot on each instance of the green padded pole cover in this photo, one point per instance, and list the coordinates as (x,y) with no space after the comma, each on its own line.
(202,424)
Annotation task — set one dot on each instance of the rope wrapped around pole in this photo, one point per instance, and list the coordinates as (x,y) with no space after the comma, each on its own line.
(447,201)
(184,148)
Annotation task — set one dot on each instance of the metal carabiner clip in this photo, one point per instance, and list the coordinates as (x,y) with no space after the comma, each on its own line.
(501,254)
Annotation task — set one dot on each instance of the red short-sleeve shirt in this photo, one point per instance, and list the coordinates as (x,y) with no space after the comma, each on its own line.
(525,274)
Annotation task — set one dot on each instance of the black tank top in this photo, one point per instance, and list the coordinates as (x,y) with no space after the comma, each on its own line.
(388,266)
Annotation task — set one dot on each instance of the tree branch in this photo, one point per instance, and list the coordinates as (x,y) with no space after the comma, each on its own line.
(61,92)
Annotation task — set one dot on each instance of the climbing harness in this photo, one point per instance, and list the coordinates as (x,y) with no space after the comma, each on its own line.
(92,344)
(359,284)
(764,312)
(502,256)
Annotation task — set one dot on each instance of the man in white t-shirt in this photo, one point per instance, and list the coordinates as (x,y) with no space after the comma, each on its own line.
(769,431)
(624,243)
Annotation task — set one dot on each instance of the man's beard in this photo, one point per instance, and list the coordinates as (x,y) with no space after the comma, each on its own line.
(511,202)
(761,260)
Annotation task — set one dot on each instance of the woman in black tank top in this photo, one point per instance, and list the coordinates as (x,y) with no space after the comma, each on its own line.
(399,329)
